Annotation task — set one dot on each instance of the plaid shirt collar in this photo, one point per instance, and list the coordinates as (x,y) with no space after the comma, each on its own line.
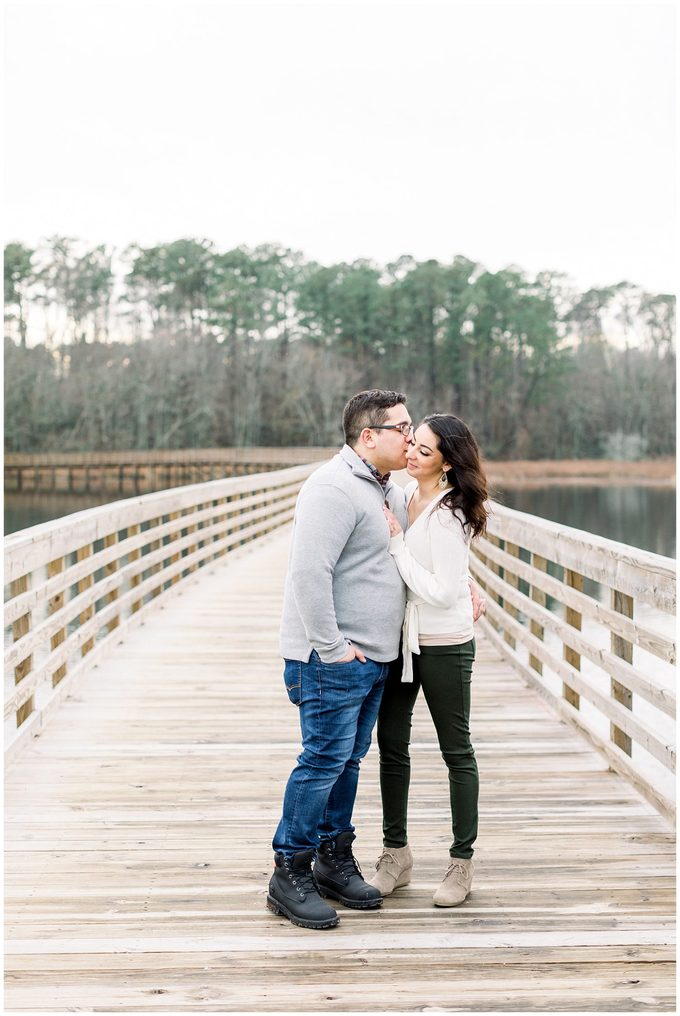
(382,480)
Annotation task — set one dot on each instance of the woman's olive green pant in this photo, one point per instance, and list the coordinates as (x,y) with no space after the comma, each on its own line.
(445,673)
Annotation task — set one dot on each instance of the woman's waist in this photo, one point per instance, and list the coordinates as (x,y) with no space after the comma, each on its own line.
(450,638)
(437,620)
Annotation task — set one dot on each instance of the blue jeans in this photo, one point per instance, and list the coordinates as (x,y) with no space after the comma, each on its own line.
(339,705)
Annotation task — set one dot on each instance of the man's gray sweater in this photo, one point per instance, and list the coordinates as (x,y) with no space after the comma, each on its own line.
(343,584)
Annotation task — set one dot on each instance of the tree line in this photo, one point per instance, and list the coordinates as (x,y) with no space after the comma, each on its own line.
(181,345)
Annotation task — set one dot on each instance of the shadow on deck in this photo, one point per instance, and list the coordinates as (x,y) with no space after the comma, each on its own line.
(139,824)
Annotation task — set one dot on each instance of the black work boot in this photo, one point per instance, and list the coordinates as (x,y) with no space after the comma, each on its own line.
(292,892)
(338,875)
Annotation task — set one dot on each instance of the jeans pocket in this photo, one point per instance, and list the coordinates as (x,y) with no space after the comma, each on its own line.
(292,677)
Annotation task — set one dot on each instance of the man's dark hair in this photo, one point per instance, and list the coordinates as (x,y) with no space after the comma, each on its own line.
(366,408)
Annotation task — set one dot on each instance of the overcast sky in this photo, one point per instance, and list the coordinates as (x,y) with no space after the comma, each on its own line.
(539,135)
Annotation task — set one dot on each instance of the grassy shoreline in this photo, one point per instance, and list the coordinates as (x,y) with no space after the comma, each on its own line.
(595,472)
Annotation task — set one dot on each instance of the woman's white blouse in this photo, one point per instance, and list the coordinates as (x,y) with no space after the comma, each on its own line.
(433,557)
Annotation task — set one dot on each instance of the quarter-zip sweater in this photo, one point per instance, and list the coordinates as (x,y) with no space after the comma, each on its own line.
(343,585)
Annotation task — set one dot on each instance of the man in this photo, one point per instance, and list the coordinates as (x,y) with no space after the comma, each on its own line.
(342,616)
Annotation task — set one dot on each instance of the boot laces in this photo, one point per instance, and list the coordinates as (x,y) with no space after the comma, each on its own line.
(302,879)
(385,859)
(347,863)
(456,867)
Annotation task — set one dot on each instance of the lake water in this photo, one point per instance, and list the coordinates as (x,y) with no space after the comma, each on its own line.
(641,516)
(28,509)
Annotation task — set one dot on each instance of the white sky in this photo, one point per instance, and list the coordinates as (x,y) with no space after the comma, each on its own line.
(540,135)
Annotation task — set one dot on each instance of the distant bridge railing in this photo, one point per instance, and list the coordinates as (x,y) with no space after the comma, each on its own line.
(589,623)
(75,584)
(139,472)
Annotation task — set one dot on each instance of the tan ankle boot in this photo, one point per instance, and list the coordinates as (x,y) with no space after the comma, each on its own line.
(393,869)
(457,883)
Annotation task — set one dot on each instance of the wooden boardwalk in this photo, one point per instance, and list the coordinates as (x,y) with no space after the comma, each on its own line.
(139,824)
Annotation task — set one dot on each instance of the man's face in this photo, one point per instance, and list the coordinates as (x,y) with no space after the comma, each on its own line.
(391,445)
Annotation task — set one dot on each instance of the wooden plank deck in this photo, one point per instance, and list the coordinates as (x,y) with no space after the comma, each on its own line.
(139,824)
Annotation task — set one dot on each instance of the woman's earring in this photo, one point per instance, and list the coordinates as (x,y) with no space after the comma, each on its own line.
(443,482)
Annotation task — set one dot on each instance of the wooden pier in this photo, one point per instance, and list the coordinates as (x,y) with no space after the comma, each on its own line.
(142,795)
(140,472)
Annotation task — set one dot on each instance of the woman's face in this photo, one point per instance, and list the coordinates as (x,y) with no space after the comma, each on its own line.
(424,461)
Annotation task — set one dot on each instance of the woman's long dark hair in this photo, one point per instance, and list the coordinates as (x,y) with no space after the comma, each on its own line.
(466,475)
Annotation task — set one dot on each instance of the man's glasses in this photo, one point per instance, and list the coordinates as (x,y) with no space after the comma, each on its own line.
(404,428)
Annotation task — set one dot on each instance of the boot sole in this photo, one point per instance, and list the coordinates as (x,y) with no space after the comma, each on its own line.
(352,904)
(458,903)
(280,910)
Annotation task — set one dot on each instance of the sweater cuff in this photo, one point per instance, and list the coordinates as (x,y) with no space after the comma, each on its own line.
(396,543)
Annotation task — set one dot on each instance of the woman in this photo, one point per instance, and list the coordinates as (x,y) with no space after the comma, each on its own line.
(446,510)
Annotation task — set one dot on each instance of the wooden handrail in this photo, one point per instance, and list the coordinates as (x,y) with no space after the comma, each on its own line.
(126,473)
(603,668)
(76,583)
(286,455)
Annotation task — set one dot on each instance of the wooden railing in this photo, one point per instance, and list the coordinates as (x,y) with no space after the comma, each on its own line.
(75,584)
(585,620)
(140,472)
(589,623)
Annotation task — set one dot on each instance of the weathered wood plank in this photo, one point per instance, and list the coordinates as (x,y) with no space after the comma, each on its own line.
(138,830)
(541,582)
(645,576)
